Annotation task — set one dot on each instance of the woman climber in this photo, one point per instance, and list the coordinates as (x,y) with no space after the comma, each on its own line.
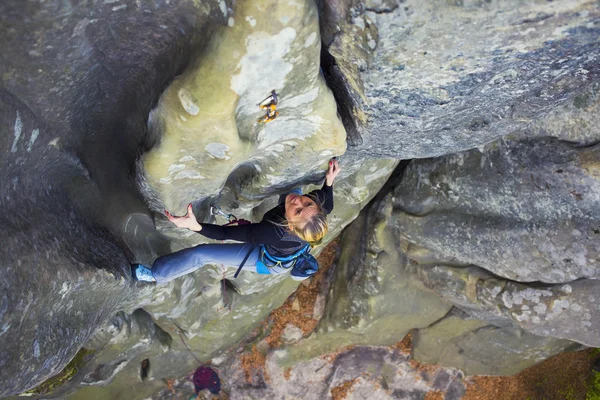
(285,233)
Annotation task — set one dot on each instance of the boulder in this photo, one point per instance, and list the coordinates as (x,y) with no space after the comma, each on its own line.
(526,210)
(358,372)
(447,76)
(566,311)
(479,348)
(112,110)
(76,88)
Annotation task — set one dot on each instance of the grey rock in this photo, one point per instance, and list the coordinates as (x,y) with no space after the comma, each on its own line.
(524,210)
(75,93)
(566,311)
(478,348)
(372,372)
(445,77)
(408,80)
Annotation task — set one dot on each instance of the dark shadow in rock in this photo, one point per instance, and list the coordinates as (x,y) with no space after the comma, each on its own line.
(339,87)
(145,369)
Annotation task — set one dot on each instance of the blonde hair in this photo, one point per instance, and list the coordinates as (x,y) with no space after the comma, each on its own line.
(312,230)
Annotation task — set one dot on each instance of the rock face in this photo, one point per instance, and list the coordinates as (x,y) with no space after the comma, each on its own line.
(77,86)
(380,292)
(480,348)
(524,210)
(529,212)
(375,297)
(76,99)
(112,110)
(442,77)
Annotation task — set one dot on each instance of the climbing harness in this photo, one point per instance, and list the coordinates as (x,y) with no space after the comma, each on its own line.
(270,106)
(232,220)
(302,263)
(266,260)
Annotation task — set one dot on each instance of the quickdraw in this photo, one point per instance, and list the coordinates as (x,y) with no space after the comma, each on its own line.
(232,219)
(270,105)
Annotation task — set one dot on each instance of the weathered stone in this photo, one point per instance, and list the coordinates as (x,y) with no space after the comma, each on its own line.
(76,87)
(78,83)
(569,311)
(525,210)
(371,372)
(291,334)
(442,77)
(212,146)
(478,348)
(375,298)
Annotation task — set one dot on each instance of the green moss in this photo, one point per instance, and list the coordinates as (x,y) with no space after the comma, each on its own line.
(593,392)
(568,393)
(63,376)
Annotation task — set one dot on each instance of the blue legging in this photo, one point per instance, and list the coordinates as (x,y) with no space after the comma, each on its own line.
(182,262)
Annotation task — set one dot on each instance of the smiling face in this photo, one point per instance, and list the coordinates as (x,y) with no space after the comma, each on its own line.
(299,209)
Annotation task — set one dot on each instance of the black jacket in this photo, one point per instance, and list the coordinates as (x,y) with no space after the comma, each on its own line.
(278,240)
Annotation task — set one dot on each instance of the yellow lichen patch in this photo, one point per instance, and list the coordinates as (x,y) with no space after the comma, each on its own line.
(63,376)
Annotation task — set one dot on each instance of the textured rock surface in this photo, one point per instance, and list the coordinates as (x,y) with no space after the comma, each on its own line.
(566,311)
(411,79)
(358,373)
(479,348)
(211,144)
(444,76)
(525,210)
(375,297)
(74,98)
(79,128)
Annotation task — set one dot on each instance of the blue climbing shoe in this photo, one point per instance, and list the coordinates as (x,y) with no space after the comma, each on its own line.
(141,273)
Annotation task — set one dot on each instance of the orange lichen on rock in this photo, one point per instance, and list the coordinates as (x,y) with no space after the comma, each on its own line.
(429,369)
(287,374)
(434,395)
(298,308)
(170,383)
(254,361)
(564,376)
(340,392)
(405,345)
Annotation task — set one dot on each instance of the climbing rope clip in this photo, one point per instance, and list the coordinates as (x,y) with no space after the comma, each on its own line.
(216,210)
(270,105)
